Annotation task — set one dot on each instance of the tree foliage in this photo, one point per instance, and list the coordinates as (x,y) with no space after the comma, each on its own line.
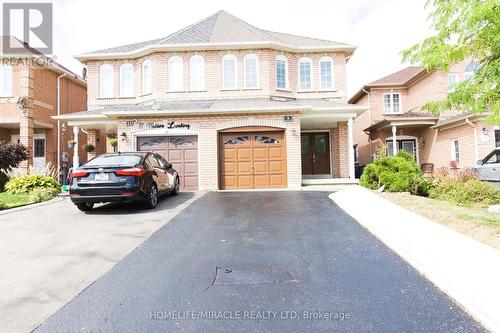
(464,29)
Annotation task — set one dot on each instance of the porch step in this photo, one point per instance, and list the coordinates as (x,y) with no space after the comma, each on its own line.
(329,181)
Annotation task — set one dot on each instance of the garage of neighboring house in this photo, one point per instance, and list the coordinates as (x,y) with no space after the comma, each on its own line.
(252,158)
(181,151)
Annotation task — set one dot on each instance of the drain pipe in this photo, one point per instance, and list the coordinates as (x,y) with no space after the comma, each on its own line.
(59,124)
(475,137)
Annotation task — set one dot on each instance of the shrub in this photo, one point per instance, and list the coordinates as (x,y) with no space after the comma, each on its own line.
(397,173)
(43,194)
(11,154)
(28,183)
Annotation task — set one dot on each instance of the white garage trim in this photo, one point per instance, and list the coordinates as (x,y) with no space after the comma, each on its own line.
(251,122)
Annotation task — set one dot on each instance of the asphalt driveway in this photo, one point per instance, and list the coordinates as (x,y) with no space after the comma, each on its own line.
(261,262)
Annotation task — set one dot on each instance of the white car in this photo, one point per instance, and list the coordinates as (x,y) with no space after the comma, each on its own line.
(489,168)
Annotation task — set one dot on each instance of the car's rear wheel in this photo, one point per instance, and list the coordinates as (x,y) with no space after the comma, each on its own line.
(152,196)
(85,206)
(177,186)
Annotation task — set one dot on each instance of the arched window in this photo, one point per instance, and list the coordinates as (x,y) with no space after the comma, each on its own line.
(229,73)
(196,73)
(326,73)
(305,70)
(146,77)
(281,72)
(251,69)
(106,83)
(126,80)
(470,70)
(5,80)
(175,74)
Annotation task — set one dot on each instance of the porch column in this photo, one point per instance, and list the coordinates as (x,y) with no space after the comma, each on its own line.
(394,141)
(76,158)
(350,147)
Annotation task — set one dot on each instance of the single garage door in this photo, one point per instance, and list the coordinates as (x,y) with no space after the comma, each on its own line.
(252,160)
(181,151)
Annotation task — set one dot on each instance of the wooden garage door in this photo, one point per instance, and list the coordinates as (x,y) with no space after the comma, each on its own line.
(252,160)
(181,151)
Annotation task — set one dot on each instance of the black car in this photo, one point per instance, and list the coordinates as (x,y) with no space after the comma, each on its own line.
(122,177)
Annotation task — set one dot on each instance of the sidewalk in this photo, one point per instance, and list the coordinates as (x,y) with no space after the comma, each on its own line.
(463,268)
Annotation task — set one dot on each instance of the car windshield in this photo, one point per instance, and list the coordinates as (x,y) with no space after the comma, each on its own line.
(114,160)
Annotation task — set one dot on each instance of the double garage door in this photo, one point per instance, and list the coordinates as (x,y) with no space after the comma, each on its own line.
(252,160)
(181,151)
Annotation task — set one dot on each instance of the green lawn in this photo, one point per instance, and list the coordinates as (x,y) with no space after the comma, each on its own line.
(15,200)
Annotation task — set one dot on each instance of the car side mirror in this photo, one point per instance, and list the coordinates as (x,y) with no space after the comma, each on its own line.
(480,162)
(168,166)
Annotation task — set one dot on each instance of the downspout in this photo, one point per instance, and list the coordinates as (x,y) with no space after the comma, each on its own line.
(476,149)
(59,124)
(369,119)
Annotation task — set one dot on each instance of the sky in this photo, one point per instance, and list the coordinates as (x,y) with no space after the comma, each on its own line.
(379,28)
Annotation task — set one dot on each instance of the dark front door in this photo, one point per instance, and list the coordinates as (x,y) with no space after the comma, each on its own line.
(315,149)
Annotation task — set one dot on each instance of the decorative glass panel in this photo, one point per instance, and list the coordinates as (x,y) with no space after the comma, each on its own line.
(39,148)
(154,142)
(304,144)
(265,139)
(320,144)
(239,140)
(181,142)
(497,138)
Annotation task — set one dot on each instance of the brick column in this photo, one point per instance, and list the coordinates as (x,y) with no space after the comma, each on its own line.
(341,151)
(26,129)
(93,138)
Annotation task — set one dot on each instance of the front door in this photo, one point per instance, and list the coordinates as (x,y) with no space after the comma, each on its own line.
(39,151)
(315,149)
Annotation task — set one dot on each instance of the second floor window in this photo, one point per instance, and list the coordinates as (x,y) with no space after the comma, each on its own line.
(5,80)
(326,73)
(455,151)
(126,80)
(196,73)
(106,82)
(175,74)
(281,72)
(470,70)
(392,103)
(229,71)
(251,63)
(452,81)
(305,68)
(146,77)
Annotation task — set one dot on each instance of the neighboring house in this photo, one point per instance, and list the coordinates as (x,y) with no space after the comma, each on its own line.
(29,98)
(395,119)
(232,106)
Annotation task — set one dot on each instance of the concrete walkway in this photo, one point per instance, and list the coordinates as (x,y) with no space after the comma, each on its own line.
(468,271)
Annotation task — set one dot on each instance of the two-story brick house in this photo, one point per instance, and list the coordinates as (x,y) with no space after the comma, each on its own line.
(32,86)
(395,119)
(232,106)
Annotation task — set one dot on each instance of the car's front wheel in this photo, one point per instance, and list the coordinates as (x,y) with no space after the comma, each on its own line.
(177,186)
(152,197)
(85,206)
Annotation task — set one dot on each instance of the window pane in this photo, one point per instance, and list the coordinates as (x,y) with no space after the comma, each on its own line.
(39,148)
(395,103)
(251,72)
(229,72)
(266,140)
(175,74)
(6,80)
(106,78)
(239,140)
(497,138)
(118,160)
(126,80)
(452,81)
(387,103)
(305,75)
(196,73)
(146,77)
(320,144)
(326,74)
(304,144)
(390,146)
(281,74)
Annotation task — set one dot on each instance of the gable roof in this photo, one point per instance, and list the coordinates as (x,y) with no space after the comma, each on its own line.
(221,30)
(402,78)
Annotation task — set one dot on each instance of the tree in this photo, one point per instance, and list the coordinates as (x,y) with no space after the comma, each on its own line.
(464,29)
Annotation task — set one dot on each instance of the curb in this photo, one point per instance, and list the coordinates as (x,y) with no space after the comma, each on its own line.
(463,268)
(25,207)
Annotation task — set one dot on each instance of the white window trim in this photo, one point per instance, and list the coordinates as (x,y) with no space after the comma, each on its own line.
(287,83)
(453,152)
(143,81)
(232,57)
(3,91)
(311,75)
(203,84)
(170,78)
(330,60)
(251,56)
(392,103)
(457,80)
(101,69)
(122,66)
